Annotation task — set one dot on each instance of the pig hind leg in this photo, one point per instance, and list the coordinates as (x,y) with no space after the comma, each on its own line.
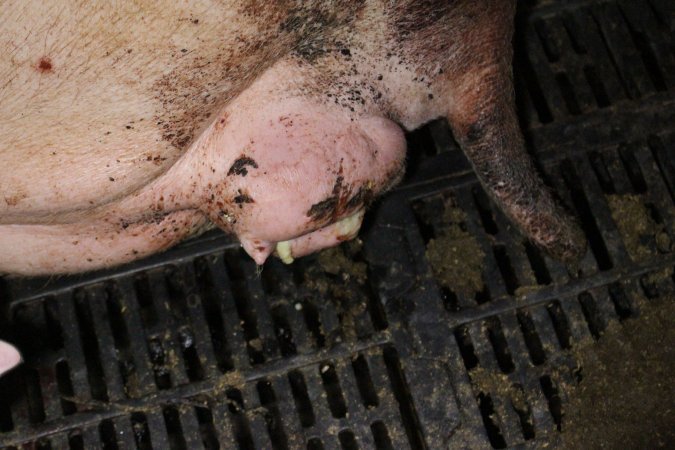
(484,122)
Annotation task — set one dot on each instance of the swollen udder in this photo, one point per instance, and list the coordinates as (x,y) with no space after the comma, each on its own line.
(291,174)
(380,148)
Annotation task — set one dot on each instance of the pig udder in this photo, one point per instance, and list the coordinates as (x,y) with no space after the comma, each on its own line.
(293,174)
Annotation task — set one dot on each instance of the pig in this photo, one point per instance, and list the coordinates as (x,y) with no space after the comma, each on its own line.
(9,357)
(131,126)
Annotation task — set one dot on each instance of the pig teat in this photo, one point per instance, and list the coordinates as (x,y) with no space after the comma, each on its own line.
(344,229)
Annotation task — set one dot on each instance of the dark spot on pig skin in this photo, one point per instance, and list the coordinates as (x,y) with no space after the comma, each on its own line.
(223,121)
(158,159)
(45,65)
(364,196)
(13,200)
(312,45)
(327,208)
(242,198)
(321,211)
(239,166)
(313,23)
(414,15)
(154,218)
(340,202)
(286,121)
(477,131)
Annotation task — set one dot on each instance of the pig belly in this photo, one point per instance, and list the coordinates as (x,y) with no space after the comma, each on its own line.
(99,100)
(39,249)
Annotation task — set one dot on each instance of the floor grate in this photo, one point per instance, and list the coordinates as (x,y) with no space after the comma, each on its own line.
(376,346)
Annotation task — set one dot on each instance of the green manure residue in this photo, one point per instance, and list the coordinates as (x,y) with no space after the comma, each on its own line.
(642,236)
(455,257)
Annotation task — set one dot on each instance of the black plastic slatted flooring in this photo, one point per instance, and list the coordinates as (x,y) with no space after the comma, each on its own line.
(196,348)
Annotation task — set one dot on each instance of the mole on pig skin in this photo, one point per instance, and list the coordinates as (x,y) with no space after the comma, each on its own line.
(44,65)
(256,105)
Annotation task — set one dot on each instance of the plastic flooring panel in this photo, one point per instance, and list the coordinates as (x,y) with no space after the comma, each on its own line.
(369,346)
